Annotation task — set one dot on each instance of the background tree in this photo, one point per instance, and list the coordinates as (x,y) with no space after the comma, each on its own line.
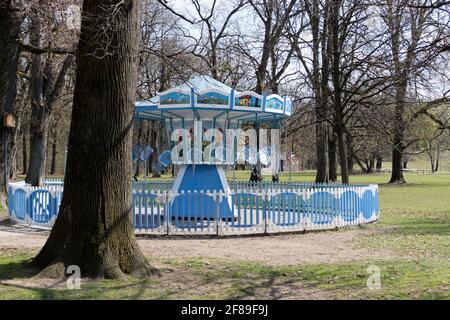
(47,80)
(11,16)
(414,44)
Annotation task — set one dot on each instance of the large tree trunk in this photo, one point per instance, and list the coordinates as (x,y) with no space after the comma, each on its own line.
(336,77)
(94,228)
(343,157)
(24,152)
(350,153)
(13,163)
(371,164)
(398,139)
(397,169)
(321,92)
(405,164)
(332,159)
(379,162)
(54,155)
(438,155)
(322,153)
(397,163)
(41,114)
(38,146)
(432,164)
(403,69)
(39,122)
(11,16)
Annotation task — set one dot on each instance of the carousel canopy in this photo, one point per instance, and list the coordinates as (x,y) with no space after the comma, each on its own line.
(203,97)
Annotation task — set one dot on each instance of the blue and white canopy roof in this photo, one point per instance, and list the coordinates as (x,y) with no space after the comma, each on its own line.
(203,97)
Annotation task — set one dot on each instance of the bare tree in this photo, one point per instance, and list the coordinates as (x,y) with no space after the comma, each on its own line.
(414,44)
(94,229)
(11,17)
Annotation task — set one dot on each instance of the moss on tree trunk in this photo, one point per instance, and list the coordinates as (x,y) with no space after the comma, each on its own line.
(94,229)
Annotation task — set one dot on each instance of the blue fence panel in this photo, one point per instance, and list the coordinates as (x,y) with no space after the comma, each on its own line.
(193,210)
(248,210)
(40,202)
(285,209)
(20,204)
(148,210)
(284,205)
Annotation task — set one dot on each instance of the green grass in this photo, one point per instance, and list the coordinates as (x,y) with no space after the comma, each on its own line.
(224,279)
(414,224)
(12,267)
(422,279)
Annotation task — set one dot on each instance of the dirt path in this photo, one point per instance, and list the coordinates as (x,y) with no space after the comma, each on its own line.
(323,247)
(294,249)
(320,247)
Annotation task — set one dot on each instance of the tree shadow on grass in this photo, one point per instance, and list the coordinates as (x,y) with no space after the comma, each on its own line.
(273,287)
(430,226)
(248,281)
(17,277)
(17,270)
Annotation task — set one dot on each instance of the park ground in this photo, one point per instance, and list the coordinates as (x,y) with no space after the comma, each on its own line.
(410,245)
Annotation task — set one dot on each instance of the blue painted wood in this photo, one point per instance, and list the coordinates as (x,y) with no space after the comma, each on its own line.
(287,205)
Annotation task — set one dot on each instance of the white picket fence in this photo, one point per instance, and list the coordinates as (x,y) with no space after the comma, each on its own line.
(245,208)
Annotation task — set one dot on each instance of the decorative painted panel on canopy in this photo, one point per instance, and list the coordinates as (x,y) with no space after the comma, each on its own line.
(205,98)
(246,100)
(212,98)
(174,98)
(274,103)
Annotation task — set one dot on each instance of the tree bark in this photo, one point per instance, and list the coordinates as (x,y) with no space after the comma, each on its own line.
(94,228)
(397,169)
(54,155)
(13,161)
(39,122)
(321,93)
(42,103)
(402,72)
(371,164)
(24,152)
(350,154)
(379,162)
(38,146)
(398,140)
(336,77)
(332,159)
(436,167)
(11,16)
(343,157)
(322,153)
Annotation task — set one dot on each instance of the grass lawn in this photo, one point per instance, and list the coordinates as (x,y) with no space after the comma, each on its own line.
(415,224)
